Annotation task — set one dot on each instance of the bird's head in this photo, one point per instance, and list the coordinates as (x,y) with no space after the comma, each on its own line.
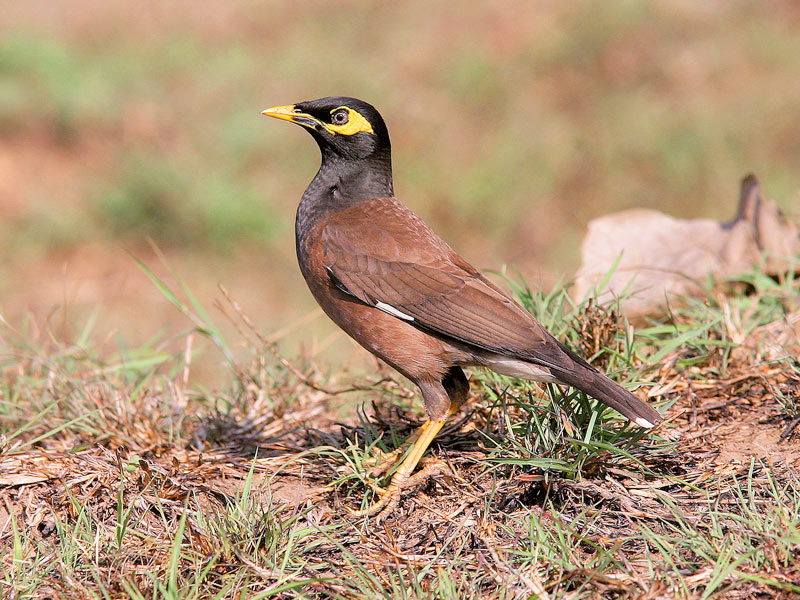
(348,127)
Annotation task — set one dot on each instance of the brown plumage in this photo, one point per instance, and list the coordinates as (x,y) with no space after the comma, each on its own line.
(400,291)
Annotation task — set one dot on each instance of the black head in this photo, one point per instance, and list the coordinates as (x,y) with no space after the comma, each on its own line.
(348,127)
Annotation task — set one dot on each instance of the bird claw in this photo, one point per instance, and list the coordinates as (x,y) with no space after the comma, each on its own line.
(380,457)
(390,497)
(381,492)
(383,506)
(383,461)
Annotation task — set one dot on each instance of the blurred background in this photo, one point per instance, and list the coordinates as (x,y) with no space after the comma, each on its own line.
(513,125)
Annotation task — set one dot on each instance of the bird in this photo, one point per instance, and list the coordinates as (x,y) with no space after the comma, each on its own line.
(399,290)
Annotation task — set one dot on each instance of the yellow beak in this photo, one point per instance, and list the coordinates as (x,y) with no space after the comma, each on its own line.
(287,113)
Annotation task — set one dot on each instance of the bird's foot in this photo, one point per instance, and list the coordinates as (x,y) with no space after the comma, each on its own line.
(383,461)
(390,496)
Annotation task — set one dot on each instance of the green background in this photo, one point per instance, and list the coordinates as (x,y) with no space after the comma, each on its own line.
(513,125)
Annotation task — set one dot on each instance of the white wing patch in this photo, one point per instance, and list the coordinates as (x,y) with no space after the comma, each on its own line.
(389,309)
(517,368)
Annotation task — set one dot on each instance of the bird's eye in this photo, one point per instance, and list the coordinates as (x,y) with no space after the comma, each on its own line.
(340,117)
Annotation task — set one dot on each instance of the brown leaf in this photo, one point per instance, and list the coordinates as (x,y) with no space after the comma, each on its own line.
(662,258)
(21,479)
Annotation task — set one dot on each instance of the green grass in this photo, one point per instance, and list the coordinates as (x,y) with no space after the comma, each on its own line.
(148,488)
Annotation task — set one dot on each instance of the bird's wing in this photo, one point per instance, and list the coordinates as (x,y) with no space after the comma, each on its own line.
(384,255)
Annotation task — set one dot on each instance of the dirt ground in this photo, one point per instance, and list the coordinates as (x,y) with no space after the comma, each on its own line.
(472,513)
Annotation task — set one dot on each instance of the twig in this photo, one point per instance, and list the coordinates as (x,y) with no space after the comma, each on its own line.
(790,428)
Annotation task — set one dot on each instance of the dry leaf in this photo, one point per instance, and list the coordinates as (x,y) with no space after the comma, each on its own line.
(662,258)
(21,479)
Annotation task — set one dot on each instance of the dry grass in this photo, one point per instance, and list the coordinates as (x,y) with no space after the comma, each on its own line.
(118,480)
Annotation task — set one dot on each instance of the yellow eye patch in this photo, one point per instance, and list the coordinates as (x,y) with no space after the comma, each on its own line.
(356,123)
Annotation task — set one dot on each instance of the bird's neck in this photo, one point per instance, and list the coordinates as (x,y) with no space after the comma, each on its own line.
(341,183)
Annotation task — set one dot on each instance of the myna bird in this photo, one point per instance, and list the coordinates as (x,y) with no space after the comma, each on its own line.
(381,274)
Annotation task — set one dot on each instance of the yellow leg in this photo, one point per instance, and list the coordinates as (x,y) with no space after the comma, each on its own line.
(383,461)
(391,496)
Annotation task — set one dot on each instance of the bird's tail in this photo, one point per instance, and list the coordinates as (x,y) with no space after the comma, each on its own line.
(614,395)
(592,382)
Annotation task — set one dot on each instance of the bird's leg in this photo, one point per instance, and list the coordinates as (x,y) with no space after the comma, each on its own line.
(442,399)
(391,495)
(383,461)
